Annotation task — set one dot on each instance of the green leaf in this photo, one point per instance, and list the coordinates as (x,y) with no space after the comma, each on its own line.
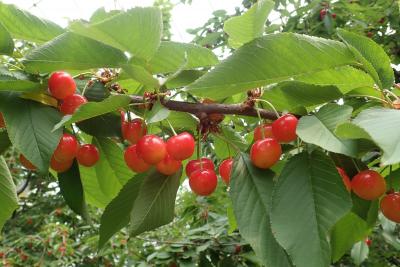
(184,78)
(141,75)
(312,195)
(8,193)
(5,142)
(111,170)
(231,218)
(319,129)
(23,25)
(94,109)
(117,213)
(72,190)
(170,56)
(182,121)
(349,130)
(29,126)
(382,126)
(270,59)
(249,25)
(359,253)
(93,194)
(233,137)
(82,53)
(107,125)
(157,113)
(16,82)
(347,231)
(6,41)
(137,31)
(155,203)
(251,190)
(373,53)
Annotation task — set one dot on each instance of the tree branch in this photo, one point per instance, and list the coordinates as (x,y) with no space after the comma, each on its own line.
(199,108)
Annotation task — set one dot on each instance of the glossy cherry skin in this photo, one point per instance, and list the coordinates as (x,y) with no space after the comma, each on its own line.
(345,178)
(368,185)
(88,155)
(322,14)
(60,166)
(225,169)
(390,206)
(195,165)
(133,161)
(168,165)
(61,85)
(67,148)
(284,128)
(71,103)
(26,163)
(203,182)
(181,146)
(368,242)
(265,153)
(133,130)
(2,123)
(151,149)
(266,128)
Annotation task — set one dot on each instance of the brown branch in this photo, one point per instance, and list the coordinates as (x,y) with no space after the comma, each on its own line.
(200,108)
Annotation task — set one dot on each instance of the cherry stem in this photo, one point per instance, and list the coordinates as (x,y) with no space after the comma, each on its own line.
(372,97)
(390,178)
(199,147)
(82,74)
(355,164)
(75,133)
(172,128)
(229,149)
(260,122)
(269,104)
(391,93)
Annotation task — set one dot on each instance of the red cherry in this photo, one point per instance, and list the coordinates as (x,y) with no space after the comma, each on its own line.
(2,123)
(61,85)
(181,146)
(334,15)
(67,148)
(195,165)
(133,130)
(169,165)
(266,128)
(60,166)
(322,13)
(133,161)
(284,128)
(225,169)
(370,34)
(203,182)
(368,185)
(71,103)
(26,163)
(368,241)
(151,149)
(345,178)
(390,206)
(88,155)
(265,153)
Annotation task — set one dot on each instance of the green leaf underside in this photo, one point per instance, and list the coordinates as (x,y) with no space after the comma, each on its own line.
(6,41)
(140,74)
(251,190)
(16,81)
(157,113)
(313,196)
(8,194)
(93,194)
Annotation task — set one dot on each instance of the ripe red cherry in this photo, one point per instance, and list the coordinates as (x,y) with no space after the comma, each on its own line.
(26,163)
(181,146)
(368,242)
(133,130)
(168,165)
(334,15)
(266,128)
(322,13)
(265,153)
(71,103)
(225,169)
(61,85)
(67,148)
(390,206)
(195,165)
(284,128)
(60,166)
(151,149)
(2,123)
(133,161)
(88,155)
(203,182)
(368,185)
(345,178)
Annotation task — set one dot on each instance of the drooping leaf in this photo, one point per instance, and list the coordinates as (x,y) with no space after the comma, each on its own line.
(271,59)
(170,56)
(249,25)
(313,196)
(319,129)
(94,109)
(5,142)
(16,82)
(82,53)
(6,41)
(157,113)
(137,31)
(29,126)
(23,25)
(251,190)
(373,53)
(93,193)
(155,203)
(8,193)
(141,75)
(184,78)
